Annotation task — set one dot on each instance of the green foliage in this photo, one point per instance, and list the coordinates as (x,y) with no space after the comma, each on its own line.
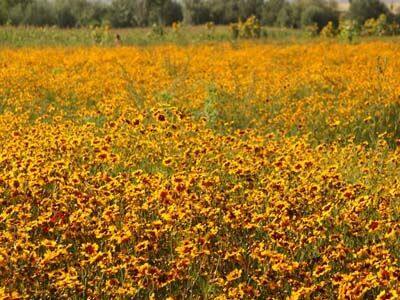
(329,31)
(157,31)
(372,14)
(101,35)
(172,13)
(311,30)
(15,15)
(348,30)
(122,13)
(225,112)
(195,12)
(248,8)
(318,14)
(285,17)
(3,12)
(377,27)
(224,12)
(221,11)
(40,13)
(362,10)
(80,13)
(65,16)
(235,30)
(251,28)
(272,10)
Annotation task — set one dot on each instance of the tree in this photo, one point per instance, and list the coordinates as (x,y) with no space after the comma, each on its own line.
(40,13)
(320,15)
(229,11)
(272,9)
(88,12)
(3,12)
(173,13)
(64,14)
(362,10)
(96,13)
(285,16)
(224,12)
(158,8)
(196,12)
(122,13)
(248,8)
(13,11)
(309,12)
(16,14)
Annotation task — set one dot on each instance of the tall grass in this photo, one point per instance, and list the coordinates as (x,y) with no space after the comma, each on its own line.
(51,36)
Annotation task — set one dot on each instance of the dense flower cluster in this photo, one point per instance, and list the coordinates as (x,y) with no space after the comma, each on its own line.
(229,172)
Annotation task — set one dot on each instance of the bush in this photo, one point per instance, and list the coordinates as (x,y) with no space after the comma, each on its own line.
(311,30)
(394,28)
(378,27)
(329,31)
(100,35)
(251,28)
(382,25)
(234,30)
(348,29)
(157,31)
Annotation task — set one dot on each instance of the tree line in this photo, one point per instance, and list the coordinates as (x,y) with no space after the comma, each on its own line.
(134,13)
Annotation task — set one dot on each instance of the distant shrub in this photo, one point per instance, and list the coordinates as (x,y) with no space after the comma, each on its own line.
(100,34)
(348,30)
(378,27)
(311,30)
(210,26)
(157,31)
(394,28)
(329,31)
(210,29)
(234,27)
(176,27)
(251,28)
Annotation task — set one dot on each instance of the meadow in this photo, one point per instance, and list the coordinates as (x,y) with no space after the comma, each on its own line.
(243,170)
(16,37)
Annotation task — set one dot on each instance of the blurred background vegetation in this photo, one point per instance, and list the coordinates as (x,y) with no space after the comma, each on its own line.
(142,13)
(110,22)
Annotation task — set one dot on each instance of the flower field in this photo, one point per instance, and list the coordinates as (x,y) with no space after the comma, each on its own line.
(209,171)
